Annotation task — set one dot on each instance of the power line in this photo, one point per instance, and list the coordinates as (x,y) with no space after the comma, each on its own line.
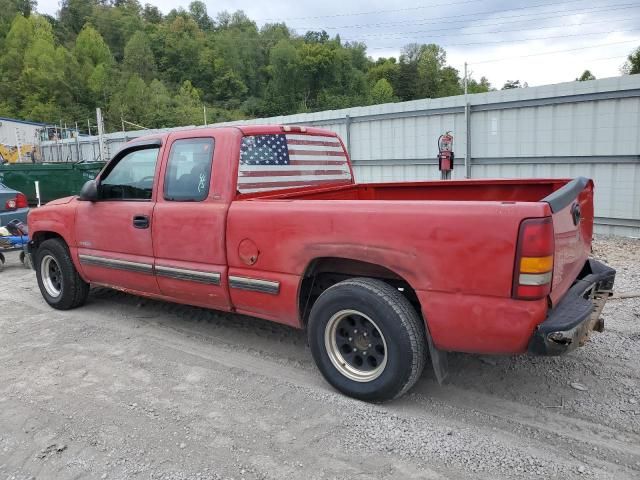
(601,59)
(403,35)
(522,40)
(425,21)
(396,10)
(554,52)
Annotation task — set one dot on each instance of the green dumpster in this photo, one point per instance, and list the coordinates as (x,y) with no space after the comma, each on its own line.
(57,180)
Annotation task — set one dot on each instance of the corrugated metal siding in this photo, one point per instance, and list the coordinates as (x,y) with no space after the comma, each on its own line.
(564,130)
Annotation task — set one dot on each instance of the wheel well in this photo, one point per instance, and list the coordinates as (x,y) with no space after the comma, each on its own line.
(40,237)
(324,272)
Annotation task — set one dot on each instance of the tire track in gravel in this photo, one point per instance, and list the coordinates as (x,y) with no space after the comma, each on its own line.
(494,410)
(591,434)
(269,351)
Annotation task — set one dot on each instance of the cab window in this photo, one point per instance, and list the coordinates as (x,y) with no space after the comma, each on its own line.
(132,177)
(188,172)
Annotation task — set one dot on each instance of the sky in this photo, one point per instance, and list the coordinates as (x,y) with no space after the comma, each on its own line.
(540,42)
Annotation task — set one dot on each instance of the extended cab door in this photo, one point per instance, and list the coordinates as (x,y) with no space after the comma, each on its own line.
(114,233)
(189,222)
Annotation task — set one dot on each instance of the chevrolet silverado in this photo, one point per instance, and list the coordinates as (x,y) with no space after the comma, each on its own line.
(268,221)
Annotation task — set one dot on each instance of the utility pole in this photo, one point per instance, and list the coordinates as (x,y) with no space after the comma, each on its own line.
(78,143)
(467,121)
(204,109)
(89,126)
(18,145)
(103,156)
(465,81)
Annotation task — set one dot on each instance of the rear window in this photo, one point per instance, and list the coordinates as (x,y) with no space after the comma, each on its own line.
(278,161)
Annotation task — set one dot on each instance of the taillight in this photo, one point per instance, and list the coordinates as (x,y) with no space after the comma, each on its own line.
(20,201)
(534,259)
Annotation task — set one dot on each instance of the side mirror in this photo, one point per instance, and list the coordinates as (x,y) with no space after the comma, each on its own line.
(89,192)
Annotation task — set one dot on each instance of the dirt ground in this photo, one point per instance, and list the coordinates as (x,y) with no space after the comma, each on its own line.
(130,388)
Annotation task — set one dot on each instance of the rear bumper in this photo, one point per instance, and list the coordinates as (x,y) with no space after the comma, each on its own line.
(570,322)
(20,214)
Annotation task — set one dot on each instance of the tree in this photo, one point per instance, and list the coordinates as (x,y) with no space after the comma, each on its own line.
(382,92)
(198,11)
(316,37)
(73,15)
(25,7)
(95,64)
(509,84)
(188,109)
(632,65)
(158,70)
(117,25)
(474,86)
(44,90)
(8,11)
(131,102)
(160,101)
(151,14)
(284,91)
(176,45)
(138,57)
(386,68)
(586,75)
(91,49)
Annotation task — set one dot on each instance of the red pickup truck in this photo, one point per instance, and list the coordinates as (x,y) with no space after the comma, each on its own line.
(268,221)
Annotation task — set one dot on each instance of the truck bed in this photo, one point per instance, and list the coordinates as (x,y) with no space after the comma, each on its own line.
(420,230)
(490,190)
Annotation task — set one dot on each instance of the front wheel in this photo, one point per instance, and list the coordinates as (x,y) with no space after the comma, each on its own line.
(60,284)
(367,339)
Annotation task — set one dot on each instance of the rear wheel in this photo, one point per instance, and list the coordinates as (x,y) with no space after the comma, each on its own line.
(367,339)
(59,281)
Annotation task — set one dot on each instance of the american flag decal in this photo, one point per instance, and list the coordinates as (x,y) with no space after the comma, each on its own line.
(277,161)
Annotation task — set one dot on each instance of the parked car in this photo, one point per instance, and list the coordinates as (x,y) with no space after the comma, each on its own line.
(269,221)
(13,205)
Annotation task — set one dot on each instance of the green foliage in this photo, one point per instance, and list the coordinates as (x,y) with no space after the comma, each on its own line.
(198,11)
(586,75)
(158,70)
(482,86)
(188,105)
(74,14)
(8,11)
(632,65)
(138,57)
(382,92)
(510,84)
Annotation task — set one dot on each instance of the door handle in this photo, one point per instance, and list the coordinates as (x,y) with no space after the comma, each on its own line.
(141,221)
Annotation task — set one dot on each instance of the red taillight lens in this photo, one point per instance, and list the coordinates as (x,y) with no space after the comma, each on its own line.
(533,270)
(21,201)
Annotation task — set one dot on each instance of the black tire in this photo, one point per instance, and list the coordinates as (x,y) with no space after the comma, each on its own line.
(73,290)
(401,328)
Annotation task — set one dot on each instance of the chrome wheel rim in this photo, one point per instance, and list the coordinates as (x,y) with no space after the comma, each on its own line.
(51,276)
(355,345)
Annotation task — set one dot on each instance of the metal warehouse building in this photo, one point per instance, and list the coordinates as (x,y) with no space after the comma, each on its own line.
(565,130)
(14,132)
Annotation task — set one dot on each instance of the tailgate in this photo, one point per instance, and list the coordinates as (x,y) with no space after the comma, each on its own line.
(572,213)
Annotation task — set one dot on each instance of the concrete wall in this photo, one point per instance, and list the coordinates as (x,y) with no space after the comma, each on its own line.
(564,130)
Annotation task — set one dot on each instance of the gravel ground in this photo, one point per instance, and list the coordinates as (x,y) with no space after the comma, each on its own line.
(130,388)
